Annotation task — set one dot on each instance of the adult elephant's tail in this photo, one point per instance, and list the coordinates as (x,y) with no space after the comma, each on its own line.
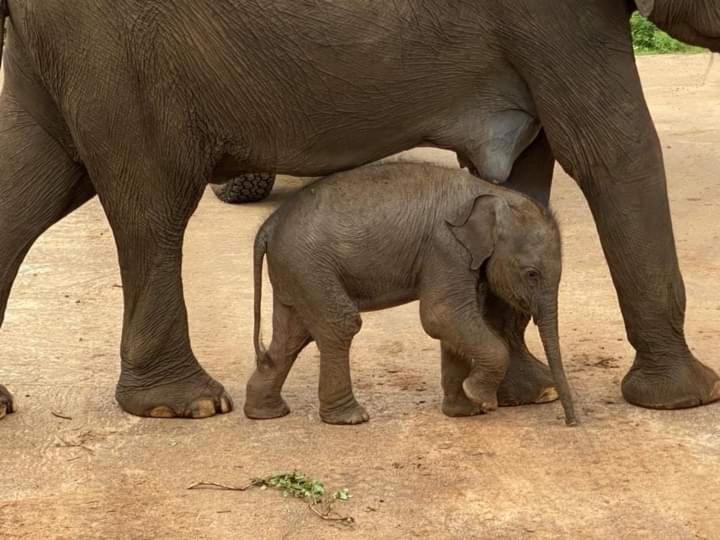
(4,13)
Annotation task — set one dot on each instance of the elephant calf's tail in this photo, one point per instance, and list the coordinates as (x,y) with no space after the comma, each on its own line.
(4,13)
(259,251)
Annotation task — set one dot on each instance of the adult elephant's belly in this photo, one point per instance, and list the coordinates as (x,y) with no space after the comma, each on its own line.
(488,140)
(319,110)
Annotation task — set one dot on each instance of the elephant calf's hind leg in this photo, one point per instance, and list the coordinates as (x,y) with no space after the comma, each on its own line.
(263,396)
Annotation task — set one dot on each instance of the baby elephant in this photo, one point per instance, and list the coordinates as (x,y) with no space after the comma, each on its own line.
(385,235)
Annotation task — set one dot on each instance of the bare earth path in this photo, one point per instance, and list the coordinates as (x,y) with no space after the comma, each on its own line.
(518,473)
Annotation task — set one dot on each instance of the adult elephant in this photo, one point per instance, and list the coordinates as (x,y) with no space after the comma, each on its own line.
(136,101)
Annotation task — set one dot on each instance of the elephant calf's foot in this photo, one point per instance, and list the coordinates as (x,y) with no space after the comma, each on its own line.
(527,381)
(676,383)
(482,394)
(7,405)
(349,413)
(199,396)
(460,406)
(262,399)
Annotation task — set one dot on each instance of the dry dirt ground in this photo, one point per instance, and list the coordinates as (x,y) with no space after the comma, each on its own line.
(518,473)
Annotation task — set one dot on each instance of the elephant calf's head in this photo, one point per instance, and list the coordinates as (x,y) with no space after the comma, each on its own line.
(519,244)
(696,22)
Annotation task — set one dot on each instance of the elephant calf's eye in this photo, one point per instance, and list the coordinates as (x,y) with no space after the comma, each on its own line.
(532,274)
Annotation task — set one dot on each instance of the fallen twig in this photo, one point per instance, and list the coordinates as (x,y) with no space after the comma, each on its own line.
(65,444)
(86,448)
(221,487)
(62,416)
(297,485)
(328,515)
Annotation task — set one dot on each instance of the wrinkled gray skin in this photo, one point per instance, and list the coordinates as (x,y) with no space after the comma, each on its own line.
(141,102)
(385,235)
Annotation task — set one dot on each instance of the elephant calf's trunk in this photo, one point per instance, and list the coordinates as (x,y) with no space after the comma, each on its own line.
(549,336)
(3,13)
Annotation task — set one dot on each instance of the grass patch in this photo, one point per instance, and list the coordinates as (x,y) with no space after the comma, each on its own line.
(649,39)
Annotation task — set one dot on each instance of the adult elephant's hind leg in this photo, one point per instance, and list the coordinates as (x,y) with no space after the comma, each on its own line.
(39,185)
(148,208)
(527,380)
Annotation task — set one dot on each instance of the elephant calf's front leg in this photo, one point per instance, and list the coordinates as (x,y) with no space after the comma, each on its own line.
(337,400)
(489,365)
(455,369)
(474,358)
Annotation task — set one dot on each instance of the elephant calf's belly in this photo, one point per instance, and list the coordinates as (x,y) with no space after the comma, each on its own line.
(382,300)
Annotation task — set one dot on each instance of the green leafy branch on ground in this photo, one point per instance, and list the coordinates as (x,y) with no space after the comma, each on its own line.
(649,39)
(296,485)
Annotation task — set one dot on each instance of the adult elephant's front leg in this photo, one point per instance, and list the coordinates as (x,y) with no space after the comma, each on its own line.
(597,122)
(160,376)
(632,214)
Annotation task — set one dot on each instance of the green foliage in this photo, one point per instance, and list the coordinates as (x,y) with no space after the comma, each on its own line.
(342,495)
(649,39)
(298,485)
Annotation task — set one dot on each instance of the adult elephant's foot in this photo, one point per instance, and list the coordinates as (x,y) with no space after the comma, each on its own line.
(262,398)
(349,413)
(7,406)
(527,381)
(196,396)
(676,383)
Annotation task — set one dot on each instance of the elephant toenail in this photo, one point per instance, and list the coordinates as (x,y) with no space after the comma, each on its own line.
(162,412)
(488,406)
(715,393)
(225,404)
(203,408)
(548,395)
(3,411)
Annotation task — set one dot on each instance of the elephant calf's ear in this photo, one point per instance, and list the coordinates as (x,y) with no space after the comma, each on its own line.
(645,7)
(476,228)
